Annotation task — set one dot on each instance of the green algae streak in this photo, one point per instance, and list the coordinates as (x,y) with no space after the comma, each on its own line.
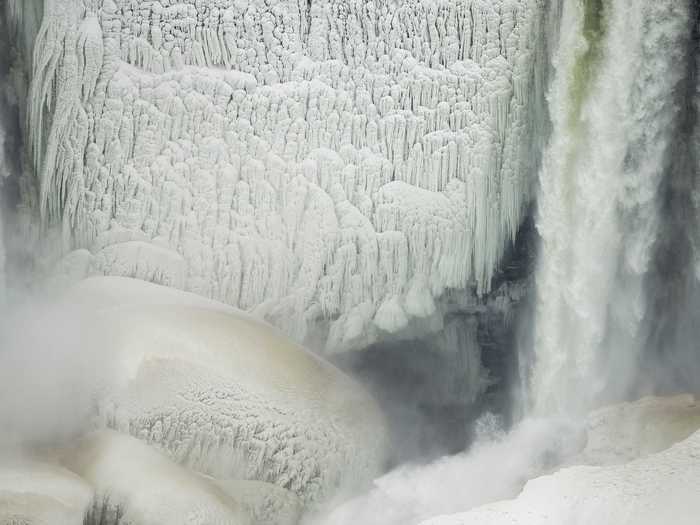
(582,74)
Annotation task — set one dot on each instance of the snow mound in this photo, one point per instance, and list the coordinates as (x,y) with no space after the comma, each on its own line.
(226,395)
(35,493)
(134,483)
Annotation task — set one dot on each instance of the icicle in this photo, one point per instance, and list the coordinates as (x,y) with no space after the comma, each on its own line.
(353,175)
(90,52)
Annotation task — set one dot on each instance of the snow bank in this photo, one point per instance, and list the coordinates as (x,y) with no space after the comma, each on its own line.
(35,493)
(227,395)
(648,473)
(333,162)
(134,483)
(661,488)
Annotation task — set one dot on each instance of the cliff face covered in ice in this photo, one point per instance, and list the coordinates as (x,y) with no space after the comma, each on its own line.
(332,164)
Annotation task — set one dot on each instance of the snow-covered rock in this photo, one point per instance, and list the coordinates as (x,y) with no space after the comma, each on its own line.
(227,395)
(331,164)
(38,493)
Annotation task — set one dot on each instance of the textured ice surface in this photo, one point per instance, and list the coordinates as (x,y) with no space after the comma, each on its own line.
(335,161)
(35,493)
(227,395)
(265,503)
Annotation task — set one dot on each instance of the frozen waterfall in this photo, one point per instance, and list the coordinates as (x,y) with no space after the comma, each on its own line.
(336,166)
(285,262)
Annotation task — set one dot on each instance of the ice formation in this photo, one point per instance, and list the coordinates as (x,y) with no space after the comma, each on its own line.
(343,169)
(265,503)
(226,395)
(614,110)
(341,162)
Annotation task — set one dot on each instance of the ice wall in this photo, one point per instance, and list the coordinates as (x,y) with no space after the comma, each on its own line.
(325,163)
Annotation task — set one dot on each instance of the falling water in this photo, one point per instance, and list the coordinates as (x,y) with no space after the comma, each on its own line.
(613,105)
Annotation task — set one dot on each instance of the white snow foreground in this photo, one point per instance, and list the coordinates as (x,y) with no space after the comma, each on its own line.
(225,395)
(36,493)
(651,489)
(332,162)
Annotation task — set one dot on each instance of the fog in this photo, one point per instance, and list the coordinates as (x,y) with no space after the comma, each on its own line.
(51,372)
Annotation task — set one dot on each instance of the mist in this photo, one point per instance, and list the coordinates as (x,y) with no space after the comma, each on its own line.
(495,467)
(52,371)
